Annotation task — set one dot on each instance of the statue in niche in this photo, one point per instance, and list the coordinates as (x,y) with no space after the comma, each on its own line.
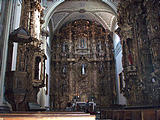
(83,43)
(99,46)
(101,68)
(106,44)
(83,69)
(64,47)
(64,69)
(130,58)
(129,44)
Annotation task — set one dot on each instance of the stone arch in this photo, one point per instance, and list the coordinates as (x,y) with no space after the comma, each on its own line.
(49,12)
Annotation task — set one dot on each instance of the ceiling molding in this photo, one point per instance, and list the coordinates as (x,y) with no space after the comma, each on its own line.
(78,10)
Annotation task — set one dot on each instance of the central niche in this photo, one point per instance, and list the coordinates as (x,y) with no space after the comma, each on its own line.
(82,45)
(82,65)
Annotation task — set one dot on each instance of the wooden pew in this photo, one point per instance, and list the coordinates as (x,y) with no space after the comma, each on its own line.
(132,113)
(46,116)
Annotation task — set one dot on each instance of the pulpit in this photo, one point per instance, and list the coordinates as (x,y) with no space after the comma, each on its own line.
(16,89)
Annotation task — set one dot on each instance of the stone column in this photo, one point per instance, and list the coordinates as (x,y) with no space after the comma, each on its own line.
(71,87)
(95,80)
(70,42)
(93,41)
(15,22)
(4,46)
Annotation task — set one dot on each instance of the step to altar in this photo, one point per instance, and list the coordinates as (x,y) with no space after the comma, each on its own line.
(46,116)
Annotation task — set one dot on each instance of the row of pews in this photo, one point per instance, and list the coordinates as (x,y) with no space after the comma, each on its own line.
(46,116)
(124,113)
(131,113)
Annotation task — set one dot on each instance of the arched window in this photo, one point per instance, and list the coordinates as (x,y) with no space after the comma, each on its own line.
(38,74)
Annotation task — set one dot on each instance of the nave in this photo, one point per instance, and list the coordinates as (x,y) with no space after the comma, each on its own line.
(97,57)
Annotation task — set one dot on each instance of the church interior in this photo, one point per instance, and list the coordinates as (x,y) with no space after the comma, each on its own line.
(89,58)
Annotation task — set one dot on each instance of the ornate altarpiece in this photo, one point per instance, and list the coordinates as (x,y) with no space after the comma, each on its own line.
(138,22)
(82,64)
(23,84)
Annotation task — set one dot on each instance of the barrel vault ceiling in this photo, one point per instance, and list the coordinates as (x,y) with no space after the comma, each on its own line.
(93,10)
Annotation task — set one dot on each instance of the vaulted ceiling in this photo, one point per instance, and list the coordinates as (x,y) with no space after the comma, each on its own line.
(93,10)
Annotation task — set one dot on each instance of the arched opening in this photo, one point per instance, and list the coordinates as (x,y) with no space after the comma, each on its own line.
(62,35)
(37,68)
